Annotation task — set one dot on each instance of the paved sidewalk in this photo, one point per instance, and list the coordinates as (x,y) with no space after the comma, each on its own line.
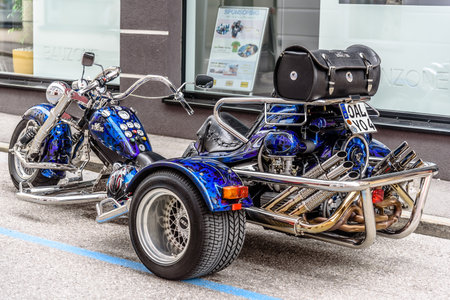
(436,219)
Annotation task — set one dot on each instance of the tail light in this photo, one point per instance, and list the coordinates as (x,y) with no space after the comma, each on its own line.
(377,195)
(235,192)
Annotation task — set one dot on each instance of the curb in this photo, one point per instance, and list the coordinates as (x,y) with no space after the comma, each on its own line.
(429,225)
(432,226)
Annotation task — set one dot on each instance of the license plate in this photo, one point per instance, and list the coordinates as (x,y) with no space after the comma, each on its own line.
(356,118)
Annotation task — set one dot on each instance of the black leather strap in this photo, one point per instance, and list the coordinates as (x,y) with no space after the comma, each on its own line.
(331,74)
(369,72)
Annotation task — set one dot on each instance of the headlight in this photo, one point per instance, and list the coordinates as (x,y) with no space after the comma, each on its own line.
(56,91)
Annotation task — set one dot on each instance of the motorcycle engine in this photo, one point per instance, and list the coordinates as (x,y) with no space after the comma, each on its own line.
(295,150)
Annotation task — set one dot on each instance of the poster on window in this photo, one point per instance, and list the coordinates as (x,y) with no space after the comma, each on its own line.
(236,47)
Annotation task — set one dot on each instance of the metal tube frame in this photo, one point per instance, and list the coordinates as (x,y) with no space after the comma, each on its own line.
(267,100)
(362,187)
(44,165)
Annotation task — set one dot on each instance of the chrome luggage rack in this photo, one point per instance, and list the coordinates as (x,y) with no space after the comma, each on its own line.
(270,101)
(297,226)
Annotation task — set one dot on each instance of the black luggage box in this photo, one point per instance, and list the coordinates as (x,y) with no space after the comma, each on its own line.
(306,75)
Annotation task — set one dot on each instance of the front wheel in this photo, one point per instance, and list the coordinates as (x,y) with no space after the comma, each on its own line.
(19,173)
(175,235)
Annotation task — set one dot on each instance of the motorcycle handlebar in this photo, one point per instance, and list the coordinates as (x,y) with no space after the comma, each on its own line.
(180,97)
(101,79)
(94,84)
(143,80)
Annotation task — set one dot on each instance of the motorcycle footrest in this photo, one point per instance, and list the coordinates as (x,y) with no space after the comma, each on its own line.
(111,214)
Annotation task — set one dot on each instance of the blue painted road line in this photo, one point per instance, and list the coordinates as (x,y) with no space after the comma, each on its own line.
(129,264)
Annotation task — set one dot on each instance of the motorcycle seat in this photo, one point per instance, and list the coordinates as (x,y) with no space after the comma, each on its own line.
(213,138)
(148,157)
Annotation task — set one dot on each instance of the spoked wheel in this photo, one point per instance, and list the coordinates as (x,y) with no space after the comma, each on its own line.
(19,173)
(162,225)
(175,235)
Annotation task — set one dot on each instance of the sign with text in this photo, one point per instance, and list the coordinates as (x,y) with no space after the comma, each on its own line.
(236,47)
(356,118)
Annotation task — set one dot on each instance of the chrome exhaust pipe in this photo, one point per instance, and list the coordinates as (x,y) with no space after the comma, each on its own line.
(61,200)
(419,163)
(317,171)
(305,193)
(323,167)
(293,224)
(384,165)
(403,163)
(74,193)
(319,197)
(45,190)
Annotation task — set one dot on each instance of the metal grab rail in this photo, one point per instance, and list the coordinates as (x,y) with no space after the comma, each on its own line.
(297,226)
(267,100)
(340,186)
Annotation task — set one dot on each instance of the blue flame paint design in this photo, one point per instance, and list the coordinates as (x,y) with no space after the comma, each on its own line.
(58,144)
(210,177)
(357,149)
(58,149)
(284,108)
(39,113)
(282,143)
(107,130)
(378,149)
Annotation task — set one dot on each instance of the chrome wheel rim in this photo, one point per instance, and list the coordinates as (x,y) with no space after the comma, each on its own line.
(23,172)
(163,226)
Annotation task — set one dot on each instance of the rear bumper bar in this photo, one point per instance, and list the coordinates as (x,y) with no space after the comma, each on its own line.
(297,226)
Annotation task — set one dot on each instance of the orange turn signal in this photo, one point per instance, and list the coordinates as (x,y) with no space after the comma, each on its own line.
(235,192)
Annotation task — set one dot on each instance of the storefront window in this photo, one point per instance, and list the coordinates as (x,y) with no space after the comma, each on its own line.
(282,27)
(412,40)
(410,36)
(46,38)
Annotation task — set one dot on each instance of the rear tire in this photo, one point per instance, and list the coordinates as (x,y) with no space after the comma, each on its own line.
(175,235)
(17,171)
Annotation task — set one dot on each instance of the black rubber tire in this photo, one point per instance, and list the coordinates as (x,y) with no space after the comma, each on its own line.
(37,178)
(215,238)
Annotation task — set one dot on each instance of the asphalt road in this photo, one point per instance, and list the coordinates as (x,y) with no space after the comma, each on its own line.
(61,252)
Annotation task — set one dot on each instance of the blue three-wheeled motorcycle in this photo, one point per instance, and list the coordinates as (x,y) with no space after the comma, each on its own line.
(306,168)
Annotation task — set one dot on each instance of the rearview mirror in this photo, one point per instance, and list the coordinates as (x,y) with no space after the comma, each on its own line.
(204,81)
(88,59)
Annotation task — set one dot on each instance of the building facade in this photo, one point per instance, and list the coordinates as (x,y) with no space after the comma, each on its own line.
(180,39)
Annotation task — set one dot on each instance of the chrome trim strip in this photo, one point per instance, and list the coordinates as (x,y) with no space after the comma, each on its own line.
(61,200)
